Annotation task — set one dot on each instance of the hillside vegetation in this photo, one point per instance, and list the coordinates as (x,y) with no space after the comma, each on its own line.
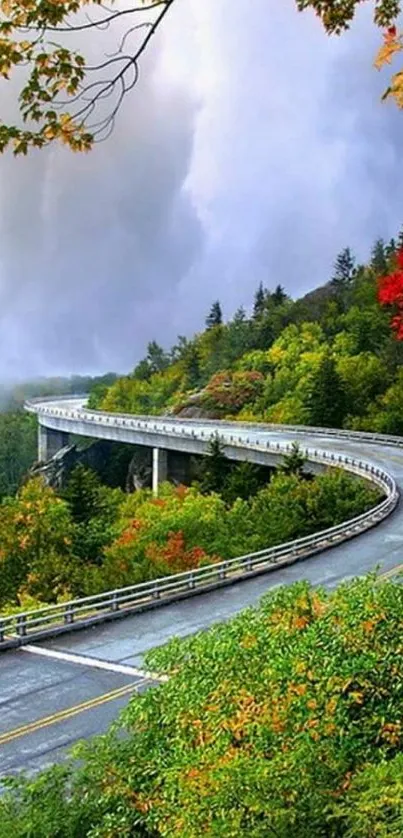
(332,358)
(286,721)
(94,538)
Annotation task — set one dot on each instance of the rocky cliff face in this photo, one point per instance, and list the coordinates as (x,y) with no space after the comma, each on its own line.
(131,469)
(127,466)
(57,469)
(195,409)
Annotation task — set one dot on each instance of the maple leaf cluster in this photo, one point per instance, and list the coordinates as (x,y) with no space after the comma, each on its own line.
(390,293)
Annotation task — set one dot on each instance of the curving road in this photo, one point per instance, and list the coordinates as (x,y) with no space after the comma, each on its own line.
(72,686)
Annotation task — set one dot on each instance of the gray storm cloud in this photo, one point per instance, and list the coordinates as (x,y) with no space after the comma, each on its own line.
(253,148)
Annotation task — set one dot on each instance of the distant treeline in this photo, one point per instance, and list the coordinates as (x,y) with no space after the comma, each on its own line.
(18,445)
(12,396)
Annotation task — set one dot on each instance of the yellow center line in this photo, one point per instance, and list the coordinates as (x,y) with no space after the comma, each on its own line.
(68,713)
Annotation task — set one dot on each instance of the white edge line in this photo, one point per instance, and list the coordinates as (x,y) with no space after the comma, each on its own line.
(81,660)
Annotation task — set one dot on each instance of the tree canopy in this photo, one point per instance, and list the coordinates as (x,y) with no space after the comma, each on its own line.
(63,97)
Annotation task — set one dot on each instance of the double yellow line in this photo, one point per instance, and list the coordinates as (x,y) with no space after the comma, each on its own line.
(63,715)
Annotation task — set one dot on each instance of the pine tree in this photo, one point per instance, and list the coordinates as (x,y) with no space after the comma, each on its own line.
(378,258)
(293,463)
(157,359)
(215,467)
(142,371)
(192,366)
(343,268)
(278,296)
(326,402)
(259,303)
(179,350)
(82,494)
(243,481)
(214,318)
(239,316)
(390,248)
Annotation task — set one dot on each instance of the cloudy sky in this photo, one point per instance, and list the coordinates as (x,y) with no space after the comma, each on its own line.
(253,148)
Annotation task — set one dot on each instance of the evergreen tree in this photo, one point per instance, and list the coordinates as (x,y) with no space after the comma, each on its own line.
(378,258)
(180,348)
(214,318)
(390,249)
(239,316)
(157,359)
(214,468)
(243,481)
(293,463)
(278,296)
(259,303)
(142,371)
(343,268)
(93,508)
(192,366)
(82,494)
(400,239)
(326,402)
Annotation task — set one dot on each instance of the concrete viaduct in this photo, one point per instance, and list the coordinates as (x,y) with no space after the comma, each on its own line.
(60,419)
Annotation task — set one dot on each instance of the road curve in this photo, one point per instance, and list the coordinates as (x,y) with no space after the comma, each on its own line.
(382,545)
(59,681)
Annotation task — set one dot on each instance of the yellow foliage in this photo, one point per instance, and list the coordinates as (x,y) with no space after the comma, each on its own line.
(391,45)
(396,89)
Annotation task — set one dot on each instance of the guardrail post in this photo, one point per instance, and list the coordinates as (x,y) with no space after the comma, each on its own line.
(156,593)
(68,614)
(222,573)
(21,625)
(191,581)
(115,602)
(2,630)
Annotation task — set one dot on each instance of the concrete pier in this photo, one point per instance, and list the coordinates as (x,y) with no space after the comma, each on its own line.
(160,467)
(50,442)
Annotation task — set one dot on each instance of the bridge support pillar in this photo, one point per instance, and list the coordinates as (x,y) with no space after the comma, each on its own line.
(50,442)
(160,468)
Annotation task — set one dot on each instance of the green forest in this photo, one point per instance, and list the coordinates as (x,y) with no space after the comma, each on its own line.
(90,537)
(330,358)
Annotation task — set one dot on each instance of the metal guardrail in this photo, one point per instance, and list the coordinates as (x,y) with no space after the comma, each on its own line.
(54,619)
(131,420)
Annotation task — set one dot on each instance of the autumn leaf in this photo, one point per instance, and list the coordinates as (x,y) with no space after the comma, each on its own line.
(391,45)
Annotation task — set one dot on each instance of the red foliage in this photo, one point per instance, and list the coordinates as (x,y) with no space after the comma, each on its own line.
(129,534)
(181,491)
(175,555)
(390,293)
(230,391)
